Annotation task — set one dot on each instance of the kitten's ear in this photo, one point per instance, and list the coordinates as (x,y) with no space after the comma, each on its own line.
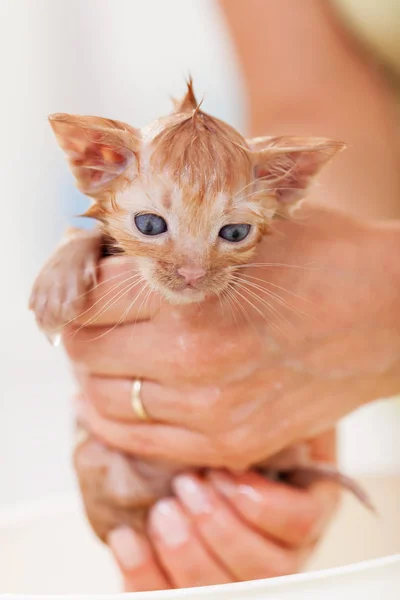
(98,150)
(289,164)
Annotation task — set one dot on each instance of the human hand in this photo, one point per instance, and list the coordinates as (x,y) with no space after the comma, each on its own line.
(231,392)
(223,528)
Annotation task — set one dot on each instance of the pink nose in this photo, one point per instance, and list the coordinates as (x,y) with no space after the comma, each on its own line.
(191,274)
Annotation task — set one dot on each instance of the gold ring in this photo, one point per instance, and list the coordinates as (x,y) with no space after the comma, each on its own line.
(136,401)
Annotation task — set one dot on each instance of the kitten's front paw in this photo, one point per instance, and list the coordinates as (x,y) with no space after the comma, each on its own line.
(59,294)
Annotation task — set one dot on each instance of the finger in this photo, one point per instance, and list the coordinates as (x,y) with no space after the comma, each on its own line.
(121,351)
(245,553)
(291,516)
(112,398)
(136,560)
(145,350)
(181,552)
(152,440)
(166,348)
(119,290)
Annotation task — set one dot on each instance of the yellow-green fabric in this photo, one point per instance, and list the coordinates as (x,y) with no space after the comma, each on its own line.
(377,24)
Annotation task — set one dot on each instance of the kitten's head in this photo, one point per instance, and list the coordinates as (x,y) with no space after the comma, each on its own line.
(187,195)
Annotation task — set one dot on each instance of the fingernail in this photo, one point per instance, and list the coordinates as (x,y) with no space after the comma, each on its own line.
(193,494)
(126,548)
(54,338)
(228,487)
(168,523)
(224,484)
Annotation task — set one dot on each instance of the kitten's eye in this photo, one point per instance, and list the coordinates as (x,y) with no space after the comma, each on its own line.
(235,233)
(150,224)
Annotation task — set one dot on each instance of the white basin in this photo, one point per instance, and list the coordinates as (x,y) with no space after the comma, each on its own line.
(47,550)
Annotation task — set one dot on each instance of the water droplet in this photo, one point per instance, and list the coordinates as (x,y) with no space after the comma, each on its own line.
(54,338)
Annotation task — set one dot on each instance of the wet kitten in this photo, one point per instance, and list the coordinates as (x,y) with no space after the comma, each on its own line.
(189,198)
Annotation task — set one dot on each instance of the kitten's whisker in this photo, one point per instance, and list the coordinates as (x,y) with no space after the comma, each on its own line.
(121,319)
(118,296)
(225,295)
(275,285)
(220,297)
(271,295)
(274,264)
(258,311)
(102,283)
(277,297)
(242,309)
(150,291)
(137,314)
(268,306)
(265,178)
(144,288)
(238,305)
(252,182)
(114,287)
(281,301)
(265,191)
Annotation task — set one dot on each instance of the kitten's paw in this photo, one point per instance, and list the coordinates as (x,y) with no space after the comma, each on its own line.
(59,294)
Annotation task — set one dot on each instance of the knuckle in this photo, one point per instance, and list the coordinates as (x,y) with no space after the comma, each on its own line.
(233,446)
(230,453)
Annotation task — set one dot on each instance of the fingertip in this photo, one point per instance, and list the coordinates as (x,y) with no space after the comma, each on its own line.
(129,549)
(193,493)
(135,558)
(168,525)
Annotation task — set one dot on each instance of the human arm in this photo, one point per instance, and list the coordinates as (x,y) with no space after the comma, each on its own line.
(304,74)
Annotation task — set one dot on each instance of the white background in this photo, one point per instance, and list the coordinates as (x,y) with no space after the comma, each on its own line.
(121,59)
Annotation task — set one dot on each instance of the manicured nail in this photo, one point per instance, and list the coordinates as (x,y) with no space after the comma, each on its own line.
(224,483)
(169,524)
(54,338)
(193,494)
(126,548)
(228,487)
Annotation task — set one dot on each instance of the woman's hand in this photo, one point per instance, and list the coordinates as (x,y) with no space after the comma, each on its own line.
(224,528)
(320,338)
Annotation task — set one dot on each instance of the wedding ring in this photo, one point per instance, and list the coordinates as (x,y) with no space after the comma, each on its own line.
(136,401)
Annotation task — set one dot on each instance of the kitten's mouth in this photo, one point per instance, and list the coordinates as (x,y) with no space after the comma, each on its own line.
(186,292)
(188,295)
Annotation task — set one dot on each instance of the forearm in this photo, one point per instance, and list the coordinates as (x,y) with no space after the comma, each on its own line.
(304,76)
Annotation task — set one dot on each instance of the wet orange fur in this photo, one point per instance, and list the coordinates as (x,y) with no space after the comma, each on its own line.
(196,172)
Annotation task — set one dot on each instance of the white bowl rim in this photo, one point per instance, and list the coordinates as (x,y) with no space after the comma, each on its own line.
(67,505)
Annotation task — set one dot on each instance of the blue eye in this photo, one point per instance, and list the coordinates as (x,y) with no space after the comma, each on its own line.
(150,224)
(235,233)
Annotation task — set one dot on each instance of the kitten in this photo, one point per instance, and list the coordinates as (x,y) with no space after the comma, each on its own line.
(189,198)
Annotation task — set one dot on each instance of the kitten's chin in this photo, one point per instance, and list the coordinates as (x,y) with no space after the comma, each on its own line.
(188,296)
